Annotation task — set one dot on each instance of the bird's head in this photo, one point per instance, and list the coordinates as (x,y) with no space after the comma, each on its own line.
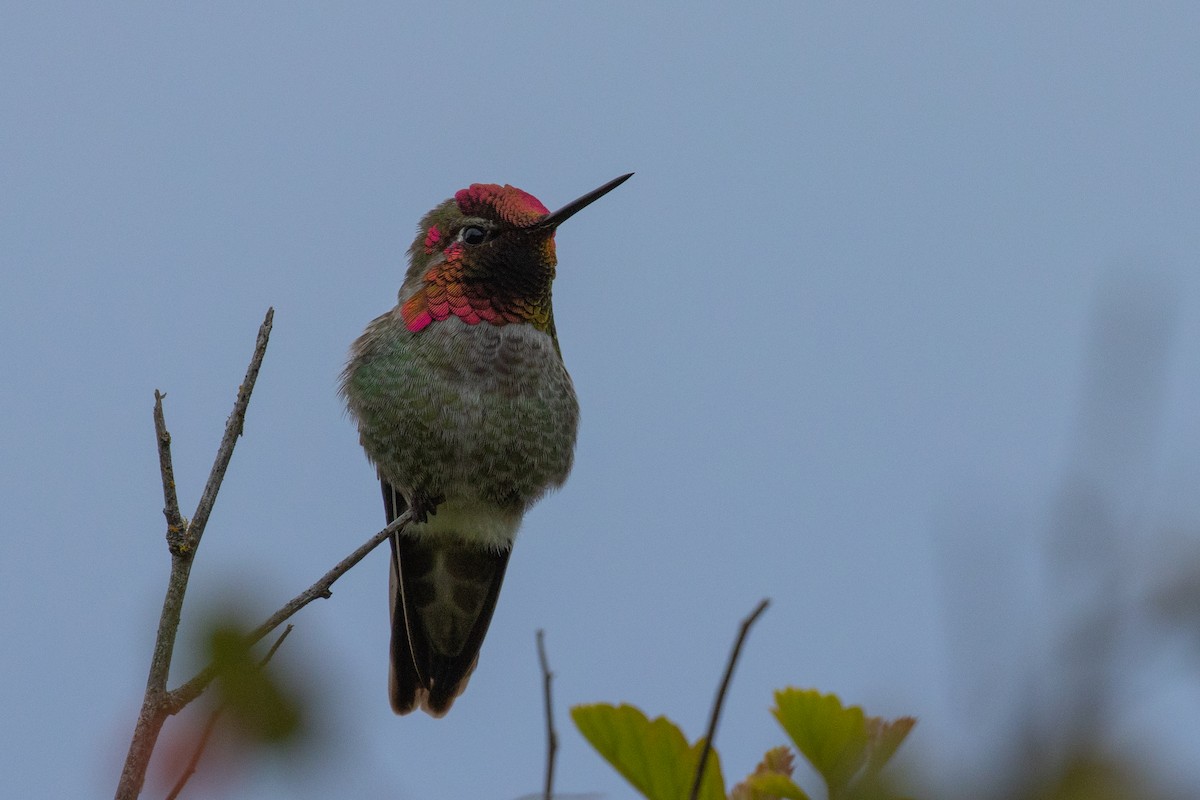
(487,255)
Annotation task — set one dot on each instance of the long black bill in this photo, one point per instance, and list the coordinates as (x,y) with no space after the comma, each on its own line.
(570,209)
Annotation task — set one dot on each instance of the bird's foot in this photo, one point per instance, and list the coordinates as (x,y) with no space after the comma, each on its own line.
(425,506)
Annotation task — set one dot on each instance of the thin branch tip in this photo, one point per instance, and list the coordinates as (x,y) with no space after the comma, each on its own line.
(233,429)
(715,717)
(547,696)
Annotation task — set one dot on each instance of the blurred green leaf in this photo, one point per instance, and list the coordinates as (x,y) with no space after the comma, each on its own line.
(652,755)
(248,692)
(1092,776)
(833,738)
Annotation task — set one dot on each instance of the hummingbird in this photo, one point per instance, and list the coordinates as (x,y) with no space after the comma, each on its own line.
(467,412)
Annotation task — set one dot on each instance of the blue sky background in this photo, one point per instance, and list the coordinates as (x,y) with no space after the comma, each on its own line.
(891,284)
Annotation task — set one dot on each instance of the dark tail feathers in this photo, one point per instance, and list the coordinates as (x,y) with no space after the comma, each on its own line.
(443,594)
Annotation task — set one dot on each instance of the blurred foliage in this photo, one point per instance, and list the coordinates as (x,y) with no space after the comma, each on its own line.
(251,709)
(250,695)
(1118,591)
(1086,777)
(847,748)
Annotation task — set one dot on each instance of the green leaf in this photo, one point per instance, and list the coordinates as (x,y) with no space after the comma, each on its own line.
(653,755)
(772,786)
(840,742)
(833,738)
(249,693)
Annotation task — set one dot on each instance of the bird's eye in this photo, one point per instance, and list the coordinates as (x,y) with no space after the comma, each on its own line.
(473,235)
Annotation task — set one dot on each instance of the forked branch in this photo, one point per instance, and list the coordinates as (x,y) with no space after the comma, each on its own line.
(183,540)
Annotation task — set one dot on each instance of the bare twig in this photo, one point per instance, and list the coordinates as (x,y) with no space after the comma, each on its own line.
(151,717)
(211,725)
(189,691)
(720,699)
(551,735)
(233,429)
(270,653)
(176,525)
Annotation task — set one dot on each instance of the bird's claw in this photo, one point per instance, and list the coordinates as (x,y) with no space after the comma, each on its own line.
(425,506)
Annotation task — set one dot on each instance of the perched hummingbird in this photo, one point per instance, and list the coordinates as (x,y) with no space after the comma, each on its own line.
(468,414)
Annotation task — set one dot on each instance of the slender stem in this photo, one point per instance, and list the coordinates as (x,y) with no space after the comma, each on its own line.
(721,692)
(233,429)
(176,524)
(551,735)
(152,715)
(270,653)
